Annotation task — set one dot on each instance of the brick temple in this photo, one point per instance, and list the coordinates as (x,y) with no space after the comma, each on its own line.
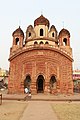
(41,60)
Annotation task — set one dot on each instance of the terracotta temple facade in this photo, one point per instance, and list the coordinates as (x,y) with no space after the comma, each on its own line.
(42,62)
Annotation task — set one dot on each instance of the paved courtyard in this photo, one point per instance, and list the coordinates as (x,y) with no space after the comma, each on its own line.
(39,110)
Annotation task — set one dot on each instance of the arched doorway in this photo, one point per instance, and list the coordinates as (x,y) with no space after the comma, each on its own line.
(40,84)
(52,84)
(27,83)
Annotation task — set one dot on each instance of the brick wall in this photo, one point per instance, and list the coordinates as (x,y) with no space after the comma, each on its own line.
(46,62)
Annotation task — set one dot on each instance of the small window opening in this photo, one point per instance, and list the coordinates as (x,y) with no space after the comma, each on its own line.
(46,42)
(41,32)
(17,41)
(41,42)
(64,41)
(29,34)
(35,43)
(53,34)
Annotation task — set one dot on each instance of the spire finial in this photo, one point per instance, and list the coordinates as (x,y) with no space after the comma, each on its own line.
(41,12)
(63,24)
(19,23)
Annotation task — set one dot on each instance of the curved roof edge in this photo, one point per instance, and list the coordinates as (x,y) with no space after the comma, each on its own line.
(42,48)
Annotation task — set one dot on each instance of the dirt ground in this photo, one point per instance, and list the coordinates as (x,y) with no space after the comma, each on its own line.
(12,110)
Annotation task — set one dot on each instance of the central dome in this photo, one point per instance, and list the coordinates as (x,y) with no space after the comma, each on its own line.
(41,21)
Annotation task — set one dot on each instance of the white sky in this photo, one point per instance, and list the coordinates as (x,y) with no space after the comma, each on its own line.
(23,12)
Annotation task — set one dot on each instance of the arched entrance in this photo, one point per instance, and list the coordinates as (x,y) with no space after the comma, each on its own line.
(53,84)
(40,84)
(27,83)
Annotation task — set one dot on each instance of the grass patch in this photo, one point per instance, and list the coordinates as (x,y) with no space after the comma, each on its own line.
(67,111)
